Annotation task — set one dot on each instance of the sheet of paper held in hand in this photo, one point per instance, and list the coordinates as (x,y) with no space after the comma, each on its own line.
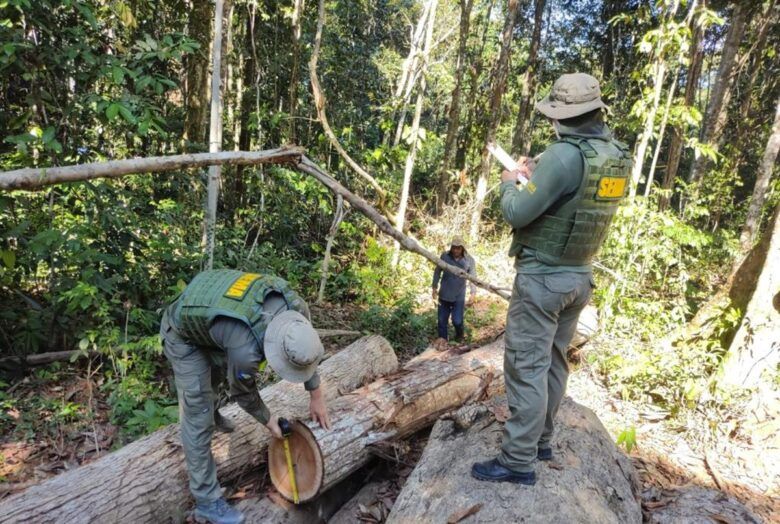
(507,161)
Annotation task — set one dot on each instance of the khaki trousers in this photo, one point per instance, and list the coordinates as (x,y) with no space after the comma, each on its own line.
(540,324)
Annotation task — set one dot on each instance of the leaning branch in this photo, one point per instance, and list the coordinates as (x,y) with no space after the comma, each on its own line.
(319,104)
(37,178)
(310,168)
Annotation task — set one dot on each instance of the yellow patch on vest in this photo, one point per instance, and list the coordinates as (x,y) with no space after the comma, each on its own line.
(611,187)
(239,288)
(530,187)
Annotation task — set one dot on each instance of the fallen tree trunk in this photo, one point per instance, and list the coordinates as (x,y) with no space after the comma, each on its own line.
(41,359)
(146,481)
(589,481)
(697,504)
(33,179)
(398,405)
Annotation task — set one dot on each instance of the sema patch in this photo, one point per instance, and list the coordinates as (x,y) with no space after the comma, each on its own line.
(238,289)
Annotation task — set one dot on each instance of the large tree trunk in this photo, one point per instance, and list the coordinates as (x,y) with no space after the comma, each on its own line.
(717,107)
(297,13)
(589,481)
(453,120)
(400,216)
(761,189)
(756,346)
(521,142)
(197,74)
(659,75)
(499,76)
(678,138)
(146,481)
(395,407)
(215,136)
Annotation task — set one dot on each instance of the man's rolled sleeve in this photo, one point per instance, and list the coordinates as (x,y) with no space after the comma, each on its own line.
(313,383)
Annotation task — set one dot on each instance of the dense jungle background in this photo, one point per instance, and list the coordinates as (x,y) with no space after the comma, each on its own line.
(413,90)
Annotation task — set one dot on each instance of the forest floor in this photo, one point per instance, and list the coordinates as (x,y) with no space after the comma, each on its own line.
(58,418)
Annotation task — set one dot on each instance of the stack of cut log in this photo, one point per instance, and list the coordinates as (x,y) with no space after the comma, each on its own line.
(371,402)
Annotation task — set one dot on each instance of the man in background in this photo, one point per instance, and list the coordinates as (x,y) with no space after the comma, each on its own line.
(450,289)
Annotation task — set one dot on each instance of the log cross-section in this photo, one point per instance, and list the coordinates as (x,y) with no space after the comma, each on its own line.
(398,405)
(146,481)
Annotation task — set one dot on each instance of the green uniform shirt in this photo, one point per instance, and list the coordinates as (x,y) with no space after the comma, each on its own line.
(556,177)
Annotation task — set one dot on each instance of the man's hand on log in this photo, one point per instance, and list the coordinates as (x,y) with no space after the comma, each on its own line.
(318,409)
(273,427)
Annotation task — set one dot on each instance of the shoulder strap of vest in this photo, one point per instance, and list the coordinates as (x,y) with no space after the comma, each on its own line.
(622,146)
(580,143)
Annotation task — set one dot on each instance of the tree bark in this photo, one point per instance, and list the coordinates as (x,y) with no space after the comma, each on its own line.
(521,143)
(453,116)
(319,103)
(761,189)
(678,137)
(717,107)
(589,481)
(756,346)
(197,74)
(33,179)
(659,74)
(409,72)
(297,13)
(146,481)
(393,408)
(400,217)
(698,504)
(499,76)
(338,216)
(215,135)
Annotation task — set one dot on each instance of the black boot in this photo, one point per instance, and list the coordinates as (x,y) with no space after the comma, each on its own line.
(494,472)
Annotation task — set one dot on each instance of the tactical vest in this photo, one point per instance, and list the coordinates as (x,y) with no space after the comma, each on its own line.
(228,293)
(572,231)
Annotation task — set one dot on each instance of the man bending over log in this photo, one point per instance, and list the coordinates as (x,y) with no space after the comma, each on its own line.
(233,322)
(559,220)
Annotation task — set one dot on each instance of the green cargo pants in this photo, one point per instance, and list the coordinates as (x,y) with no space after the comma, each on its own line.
(540,324)
(195,386)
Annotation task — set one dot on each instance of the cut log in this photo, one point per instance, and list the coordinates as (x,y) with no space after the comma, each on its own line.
(396,406)
(697,504)
(272,507)
(589,481)
(146,481)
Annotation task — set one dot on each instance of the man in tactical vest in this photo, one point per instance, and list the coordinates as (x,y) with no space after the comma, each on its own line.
(559,220)
(230,321)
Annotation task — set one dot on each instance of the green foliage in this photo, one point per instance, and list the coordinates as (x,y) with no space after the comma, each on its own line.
(401,324)
(627,439)
(153,416)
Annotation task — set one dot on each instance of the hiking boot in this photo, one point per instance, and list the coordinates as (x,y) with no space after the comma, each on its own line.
(493,471)
(223,424)
(544,454)
(217,512)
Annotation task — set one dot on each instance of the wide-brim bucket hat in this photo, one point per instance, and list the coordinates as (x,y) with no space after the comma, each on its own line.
(571,95)
(457,241)
(292,346)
